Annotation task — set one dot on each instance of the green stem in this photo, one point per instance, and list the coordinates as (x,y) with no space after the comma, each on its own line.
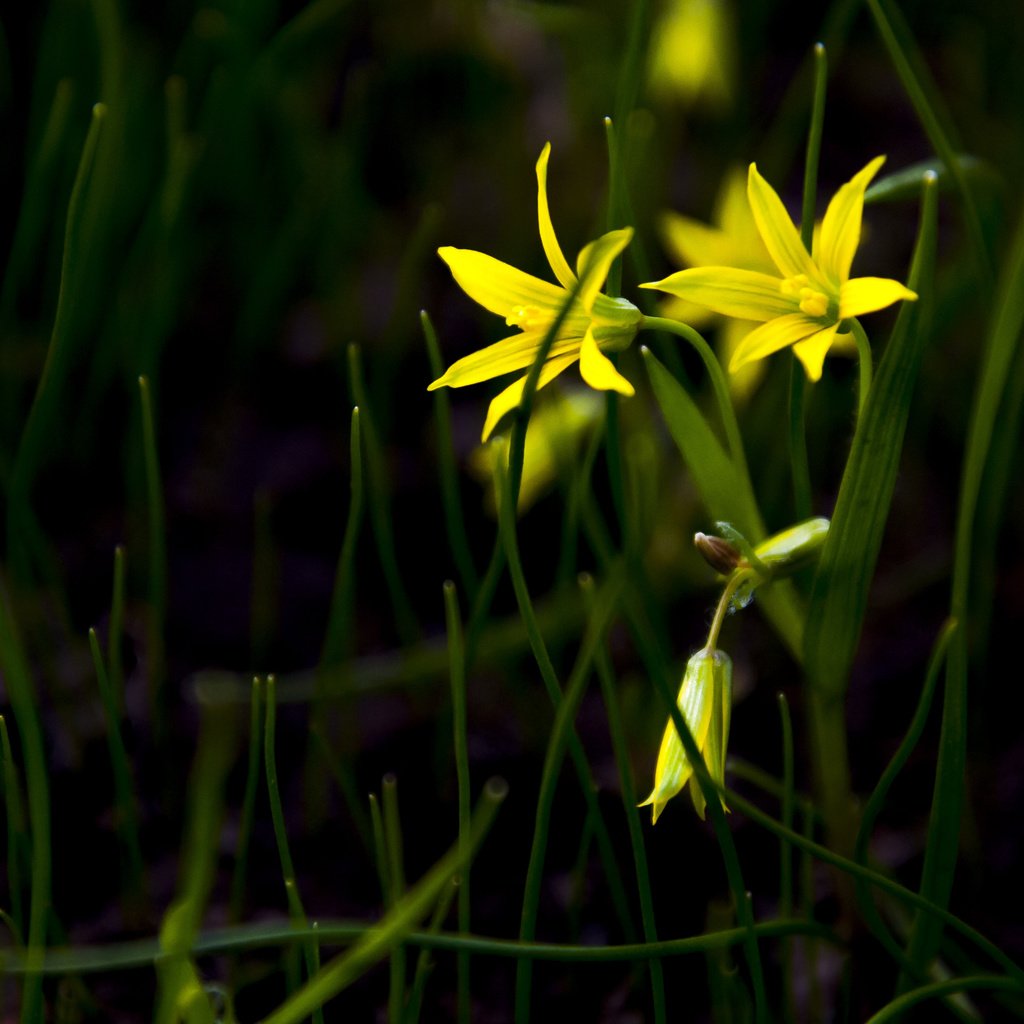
(629,805)
(786,854)
(864,364)
(718,382)
(457,668)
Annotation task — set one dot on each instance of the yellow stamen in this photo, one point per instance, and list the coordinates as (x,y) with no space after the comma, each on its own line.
(813,303)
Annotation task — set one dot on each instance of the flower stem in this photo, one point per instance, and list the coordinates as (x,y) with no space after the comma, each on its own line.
(863,363)
(731,585)
(718,380)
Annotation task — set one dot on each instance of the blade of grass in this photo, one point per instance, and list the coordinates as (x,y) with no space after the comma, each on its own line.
(927,101)
(941,850)
(236,901)
(296,911)
(380,504)
(21,529)
(115,633)
(21,694)
(424,962)
(840,588)
(180,994)
(396,874)
(376,943)
(877,800)
(454,521)
(629,804)
(566,707)
(19,851)
(460,744)
(127,816)
(786,854)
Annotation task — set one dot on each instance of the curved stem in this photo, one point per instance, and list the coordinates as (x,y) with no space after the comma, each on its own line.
(731,585)
(718,380)
(863,364)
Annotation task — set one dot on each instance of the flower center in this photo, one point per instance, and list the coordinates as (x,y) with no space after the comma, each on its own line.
(812,302)
(526,317)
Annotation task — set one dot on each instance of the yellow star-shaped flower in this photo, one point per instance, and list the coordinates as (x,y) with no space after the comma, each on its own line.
(594,324)
(813,293)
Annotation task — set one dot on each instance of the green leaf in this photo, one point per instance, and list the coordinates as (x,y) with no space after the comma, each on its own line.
(840,589)
(726,492)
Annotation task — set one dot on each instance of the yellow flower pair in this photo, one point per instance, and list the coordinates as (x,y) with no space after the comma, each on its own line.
(802,305)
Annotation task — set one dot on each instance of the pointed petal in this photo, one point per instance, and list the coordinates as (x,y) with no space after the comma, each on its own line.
(840,228)
(745,294)
(595,260)
(781,238)
(514,353)
(597,369)
(497,286)
(811,351)
(694,701)
(553,251)
(770,337)
(743,382)
(508,399)
(867,294)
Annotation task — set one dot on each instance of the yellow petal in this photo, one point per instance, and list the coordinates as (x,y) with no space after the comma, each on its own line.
(781,238)
(595,260)
(867,294)
(508,399)
(597,369)
(694,702)
(515,353)
(743,382)
(840,229)
(553,251)
(498,287)
(694,244)
(745,294)
(811,351)
(772,336)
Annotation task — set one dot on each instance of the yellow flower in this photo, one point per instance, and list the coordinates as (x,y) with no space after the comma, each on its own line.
(731,240)
(810,295)
(705,702)
(557,426)
(594,324)
(693,52)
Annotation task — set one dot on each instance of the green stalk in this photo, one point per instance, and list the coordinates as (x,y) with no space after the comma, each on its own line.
(562,730)
(396,874)
(797,378)
(457,670)
(21,694)
(719,384)
(377,942)
(236,901)
(124,790)
(296,912)
(454,521)
(941,850)
(380,506)
(620,749)
(786,854)
(18,842)
(116,631)
(863,364)
(157,612)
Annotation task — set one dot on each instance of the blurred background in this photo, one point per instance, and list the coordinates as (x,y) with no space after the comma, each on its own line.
(256,235)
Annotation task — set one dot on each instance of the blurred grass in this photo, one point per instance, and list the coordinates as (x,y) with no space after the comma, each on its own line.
(217,232)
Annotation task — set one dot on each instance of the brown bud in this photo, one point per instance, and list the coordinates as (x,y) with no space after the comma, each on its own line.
(718,553)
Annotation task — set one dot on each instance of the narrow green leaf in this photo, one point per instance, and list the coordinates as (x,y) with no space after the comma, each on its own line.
(376,943)
(727,494)
(1001,346)
(840,588)
(906,183)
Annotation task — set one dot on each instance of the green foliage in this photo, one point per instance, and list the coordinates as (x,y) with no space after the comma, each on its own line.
(217,276)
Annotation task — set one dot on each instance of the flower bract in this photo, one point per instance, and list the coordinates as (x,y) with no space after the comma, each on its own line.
(705,702)
(804,302)
(593,325)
